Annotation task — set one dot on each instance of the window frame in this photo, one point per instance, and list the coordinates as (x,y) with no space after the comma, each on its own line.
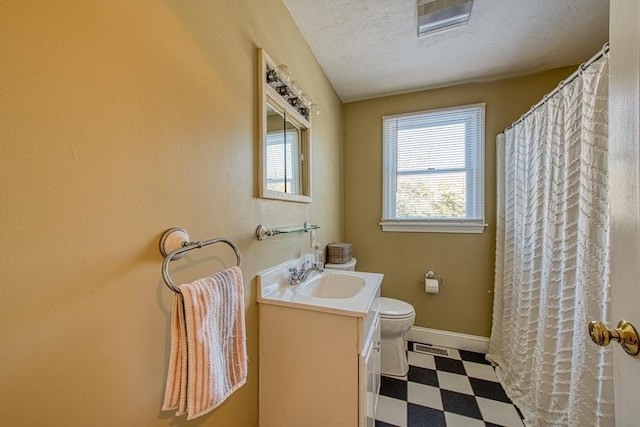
(474,170)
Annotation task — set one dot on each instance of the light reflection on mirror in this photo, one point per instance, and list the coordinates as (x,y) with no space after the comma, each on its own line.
(283,152)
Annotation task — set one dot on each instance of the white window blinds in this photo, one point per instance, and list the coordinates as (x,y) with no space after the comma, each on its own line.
(433,170)
(282,174)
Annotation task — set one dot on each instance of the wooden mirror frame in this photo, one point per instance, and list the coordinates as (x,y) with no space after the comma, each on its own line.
(267,94)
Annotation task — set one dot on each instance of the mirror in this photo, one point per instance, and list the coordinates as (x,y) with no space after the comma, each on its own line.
(284,143)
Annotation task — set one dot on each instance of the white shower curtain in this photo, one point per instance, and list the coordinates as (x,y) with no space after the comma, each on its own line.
(552,257)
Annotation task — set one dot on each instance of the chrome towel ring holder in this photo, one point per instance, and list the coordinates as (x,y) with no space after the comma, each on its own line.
(175,242)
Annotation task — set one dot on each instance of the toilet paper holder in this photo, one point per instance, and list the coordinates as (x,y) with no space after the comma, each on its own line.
(432,275)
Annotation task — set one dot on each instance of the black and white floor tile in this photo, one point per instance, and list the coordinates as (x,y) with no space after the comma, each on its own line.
(457,390)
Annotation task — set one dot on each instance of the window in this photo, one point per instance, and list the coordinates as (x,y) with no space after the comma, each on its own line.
(282,173)
(433,171)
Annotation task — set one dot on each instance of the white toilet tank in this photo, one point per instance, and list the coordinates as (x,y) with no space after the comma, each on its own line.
(349,266)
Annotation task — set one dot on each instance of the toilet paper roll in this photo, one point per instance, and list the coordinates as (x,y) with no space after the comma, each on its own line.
(431,286)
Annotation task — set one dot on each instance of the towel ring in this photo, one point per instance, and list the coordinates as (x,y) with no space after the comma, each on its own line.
(175,242)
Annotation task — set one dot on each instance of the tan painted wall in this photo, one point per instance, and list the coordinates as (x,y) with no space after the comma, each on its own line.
(118,121)
(465,261)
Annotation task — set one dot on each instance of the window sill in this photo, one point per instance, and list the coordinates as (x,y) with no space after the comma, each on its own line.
(409,226)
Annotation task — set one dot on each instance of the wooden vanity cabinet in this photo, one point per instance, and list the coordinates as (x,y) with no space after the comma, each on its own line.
(318,368)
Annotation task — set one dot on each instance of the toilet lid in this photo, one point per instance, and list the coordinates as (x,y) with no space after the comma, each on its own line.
(394,308)
(351,265)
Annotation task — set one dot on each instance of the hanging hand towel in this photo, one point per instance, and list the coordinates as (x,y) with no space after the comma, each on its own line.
(208,359)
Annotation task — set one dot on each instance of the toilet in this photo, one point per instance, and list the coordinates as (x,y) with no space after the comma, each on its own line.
(396,318)
(349,266)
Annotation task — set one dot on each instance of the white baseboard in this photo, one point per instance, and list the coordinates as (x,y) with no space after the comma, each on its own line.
(448,339)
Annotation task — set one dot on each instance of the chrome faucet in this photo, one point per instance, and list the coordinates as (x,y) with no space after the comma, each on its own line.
(299,276)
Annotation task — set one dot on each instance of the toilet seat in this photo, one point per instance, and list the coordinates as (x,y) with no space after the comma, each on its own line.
(395,309)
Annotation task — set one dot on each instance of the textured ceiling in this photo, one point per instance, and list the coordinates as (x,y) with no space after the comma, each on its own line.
(369,48)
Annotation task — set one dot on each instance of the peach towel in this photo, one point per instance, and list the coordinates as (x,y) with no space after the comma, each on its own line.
(208,359)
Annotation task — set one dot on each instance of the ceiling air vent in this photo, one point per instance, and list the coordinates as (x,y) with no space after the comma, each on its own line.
(435,16)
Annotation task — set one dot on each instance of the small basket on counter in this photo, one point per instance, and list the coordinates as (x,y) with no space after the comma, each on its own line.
(338,253)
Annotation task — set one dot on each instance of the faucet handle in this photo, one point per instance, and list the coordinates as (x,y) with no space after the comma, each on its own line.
(294,278)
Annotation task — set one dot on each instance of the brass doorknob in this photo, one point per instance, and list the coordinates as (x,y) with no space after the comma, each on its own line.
(625,334)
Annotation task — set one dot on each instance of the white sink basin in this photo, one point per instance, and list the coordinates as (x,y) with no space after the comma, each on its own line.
(331,286)
(350,293)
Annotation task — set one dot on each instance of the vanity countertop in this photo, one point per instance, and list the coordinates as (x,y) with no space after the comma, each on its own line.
(274,288)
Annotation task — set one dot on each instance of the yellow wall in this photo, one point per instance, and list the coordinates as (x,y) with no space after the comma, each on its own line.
(465,261)
(120,120)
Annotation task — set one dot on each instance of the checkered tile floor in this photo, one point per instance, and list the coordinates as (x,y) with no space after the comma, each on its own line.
(460,390)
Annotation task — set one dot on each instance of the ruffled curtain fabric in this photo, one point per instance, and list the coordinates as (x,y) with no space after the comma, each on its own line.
(552,257)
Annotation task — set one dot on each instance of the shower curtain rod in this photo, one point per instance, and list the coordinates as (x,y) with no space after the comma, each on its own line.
(572,77)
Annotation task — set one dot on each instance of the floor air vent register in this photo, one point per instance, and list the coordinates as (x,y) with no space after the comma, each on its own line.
(428,349)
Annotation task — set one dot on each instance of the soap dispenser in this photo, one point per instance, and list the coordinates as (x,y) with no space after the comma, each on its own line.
(318,256)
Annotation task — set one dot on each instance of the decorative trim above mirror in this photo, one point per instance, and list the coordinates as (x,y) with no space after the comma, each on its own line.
(284,134)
